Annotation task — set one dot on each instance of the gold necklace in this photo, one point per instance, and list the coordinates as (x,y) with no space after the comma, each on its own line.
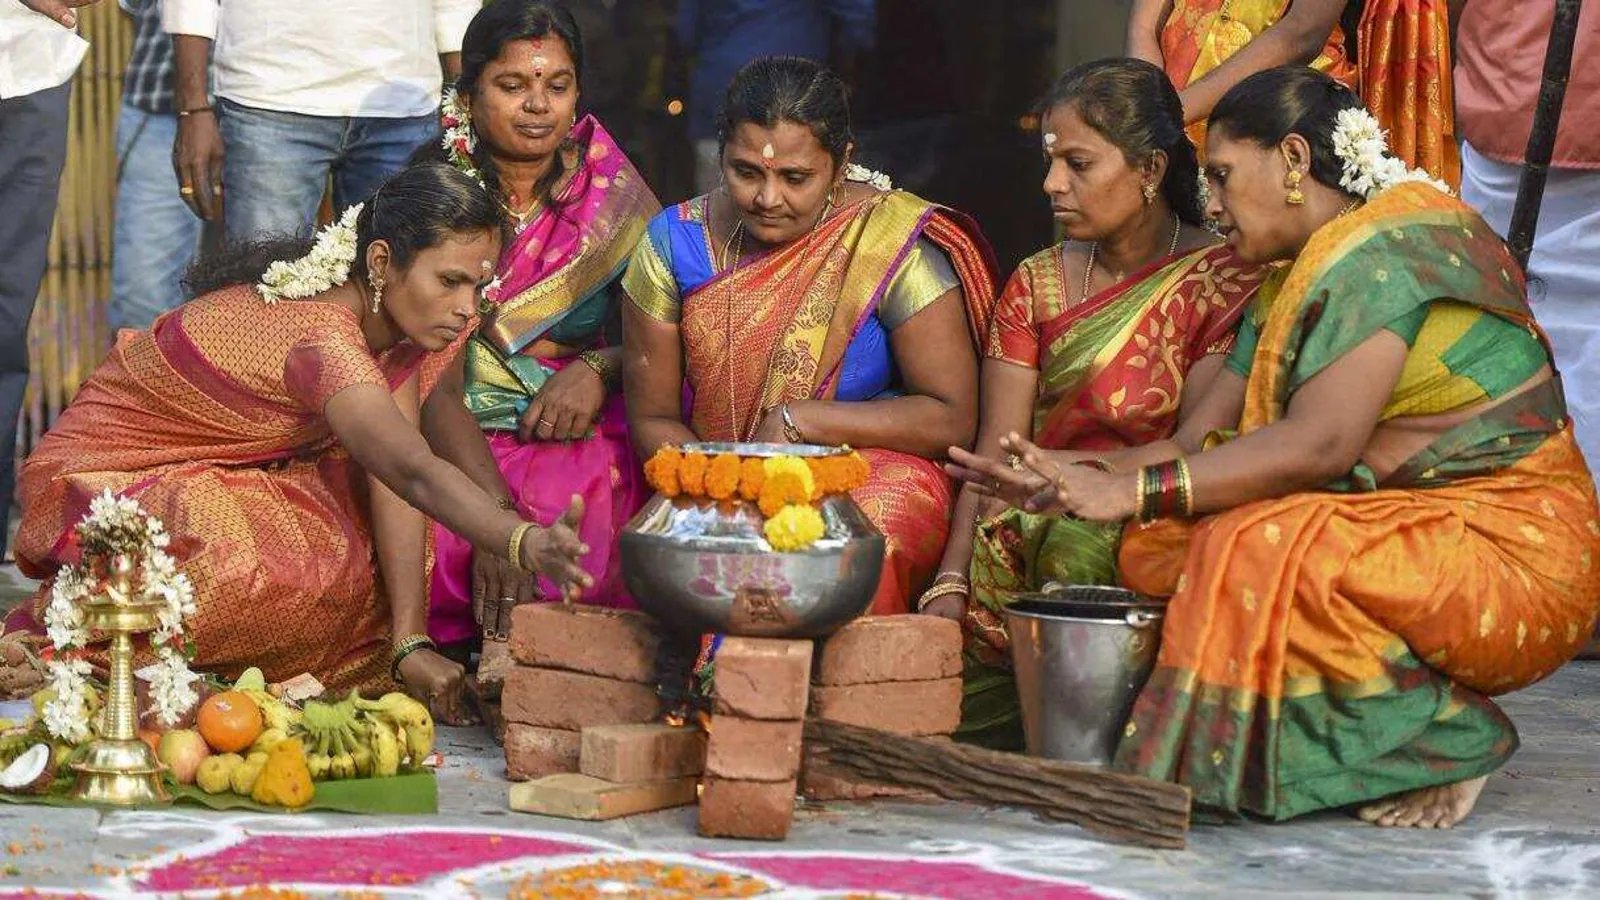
(520,218)
(1088,269)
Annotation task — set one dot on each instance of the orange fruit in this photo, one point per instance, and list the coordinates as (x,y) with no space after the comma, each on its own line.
(229,721)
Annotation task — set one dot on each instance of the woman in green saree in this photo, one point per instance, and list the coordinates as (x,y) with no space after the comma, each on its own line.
(1096,344)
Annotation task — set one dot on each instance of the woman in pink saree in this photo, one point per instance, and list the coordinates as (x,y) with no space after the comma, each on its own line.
(538,373)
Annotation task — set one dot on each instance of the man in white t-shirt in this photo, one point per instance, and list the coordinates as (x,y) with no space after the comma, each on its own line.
(304,89)
(39,51)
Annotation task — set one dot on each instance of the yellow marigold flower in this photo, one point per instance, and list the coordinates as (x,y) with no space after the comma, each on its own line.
(795,466)
(662,471)
(752,474)
(722,477)
(780,490)
(692,474)
(795,527)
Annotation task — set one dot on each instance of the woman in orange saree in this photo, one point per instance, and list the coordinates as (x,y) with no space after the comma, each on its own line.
(1084,357)
(270,438)
(1401,525)
(855,319)
(1402,67)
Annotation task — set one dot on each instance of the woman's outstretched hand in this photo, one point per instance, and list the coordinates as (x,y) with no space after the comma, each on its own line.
(557,552)
(1079,489)
(992,478)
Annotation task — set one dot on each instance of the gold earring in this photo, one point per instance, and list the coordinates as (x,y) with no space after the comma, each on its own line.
(1294,197)
(1149,191)
(377,292)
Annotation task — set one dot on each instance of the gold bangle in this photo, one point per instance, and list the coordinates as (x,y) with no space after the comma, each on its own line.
(943,589)
(1185,488)
(514,547)
(599,364)
(1138,494)
(406,646)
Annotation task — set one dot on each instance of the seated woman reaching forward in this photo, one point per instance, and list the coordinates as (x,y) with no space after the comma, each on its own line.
(804,307)
(275,438)
(1097,344)
(1402,525)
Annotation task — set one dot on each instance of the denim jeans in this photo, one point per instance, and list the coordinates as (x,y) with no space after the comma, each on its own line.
(277,163)
(154,236)
(33,147)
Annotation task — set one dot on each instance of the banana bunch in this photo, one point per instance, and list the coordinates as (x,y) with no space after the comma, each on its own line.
(401,728)
(333,737)
(359,738)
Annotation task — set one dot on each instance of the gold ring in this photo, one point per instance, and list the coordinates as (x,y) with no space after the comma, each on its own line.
(1015,462)
(186,190)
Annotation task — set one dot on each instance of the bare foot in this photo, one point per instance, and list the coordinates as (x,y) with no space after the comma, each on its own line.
(1434,807)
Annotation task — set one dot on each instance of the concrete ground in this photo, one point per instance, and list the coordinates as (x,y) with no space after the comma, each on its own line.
(1536,834)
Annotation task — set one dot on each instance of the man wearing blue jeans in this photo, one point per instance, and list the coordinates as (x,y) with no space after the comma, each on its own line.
(305,90)
(39,51)
(154,236)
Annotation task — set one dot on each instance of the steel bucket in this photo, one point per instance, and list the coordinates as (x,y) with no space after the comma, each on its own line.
(1081,655)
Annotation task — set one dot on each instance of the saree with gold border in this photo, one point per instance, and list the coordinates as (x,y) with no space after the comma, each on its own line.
(1331,647)
(556,287)
(813,321)
(1112,370)
(212,421)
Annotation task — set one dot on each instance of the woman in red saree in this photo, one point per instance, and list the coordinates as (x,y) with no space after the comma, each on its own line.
(1396,523)
(1402,67)
(798,305)
(276,441)
(1097,344)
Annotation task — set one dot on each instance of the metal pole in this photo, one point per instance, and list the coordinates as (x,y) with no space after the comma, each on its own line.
(1542,140)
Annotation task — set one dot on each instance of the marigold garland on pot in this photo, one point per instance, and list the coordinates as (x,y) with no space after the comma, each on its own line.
(782,487)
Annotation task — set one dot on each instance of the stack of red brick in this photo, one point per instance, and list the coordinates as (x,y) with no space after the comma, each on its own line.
(753,757)
(895,673)
(576,667)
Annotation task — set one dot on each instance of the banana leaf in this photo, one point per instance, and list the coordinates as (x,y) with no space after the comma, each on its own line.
(410,794)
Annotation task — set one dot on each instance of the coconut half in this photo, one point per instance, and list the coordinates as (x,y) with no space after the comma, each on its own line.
(30,773)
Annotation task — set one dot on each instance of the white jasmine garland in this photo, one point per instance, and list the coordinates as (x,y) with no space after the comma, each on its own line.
(66,716)
(1367,168)
(864,175)
(172,691)
(326,266)
(63,616)
(459,140)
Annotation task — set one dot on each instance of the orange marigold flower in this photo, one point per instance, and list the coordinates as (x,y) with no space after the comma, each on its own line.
(692,474)
(781,490)
(722,476)
(662,471)
(752,474)
(857,470)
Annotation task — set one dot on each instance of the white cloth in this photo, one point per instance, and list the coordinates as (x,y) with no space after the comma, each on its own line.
(376,58)
(1564,273)
(36,53)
